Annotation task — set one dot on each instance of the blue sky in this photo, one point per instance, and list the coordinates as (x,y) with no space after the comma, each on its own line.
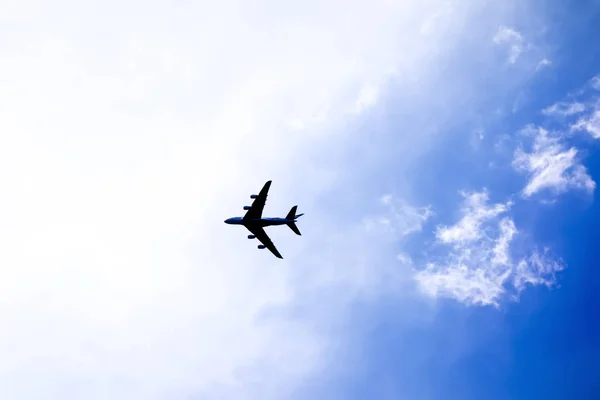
(444,152)
(545,344)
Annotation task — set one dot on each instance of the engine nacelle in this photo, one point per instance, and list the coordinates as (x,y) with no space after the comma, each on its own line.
(261,246)
(253,196)
(247,207)
(251,236)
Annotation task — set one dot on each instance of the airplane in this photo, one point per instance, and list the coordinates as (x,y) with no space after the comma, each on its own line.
(255,222)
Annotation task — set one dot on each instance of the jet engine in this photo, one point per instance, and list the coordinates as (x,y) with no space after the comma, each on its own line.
(247,207)
(253,196)
(261,246)
(251,236)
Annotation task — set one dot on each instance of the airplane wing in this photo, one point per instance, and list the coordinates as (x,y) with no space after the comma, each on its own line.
(262,236)
(258,205)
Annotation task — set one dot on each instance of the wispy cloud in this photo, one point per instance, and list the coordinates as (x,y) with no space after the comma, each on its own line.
(589,123)
(564,109)
(512,39)
(595,82)
(550,165)
(543,63)
(399,219)
(479,268)
(475,213)
(584,104)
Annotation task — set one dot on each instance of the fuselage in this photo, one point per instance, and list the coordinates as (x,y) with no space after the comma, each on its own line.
(262,222)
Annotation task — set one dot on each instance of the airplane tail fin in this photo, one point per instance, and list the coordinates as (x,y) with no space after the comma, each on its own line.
(292,215)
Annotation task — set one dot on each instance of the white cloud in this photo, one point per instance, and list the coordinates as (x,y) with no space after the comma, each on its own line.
(511,38)
(537,269)
(506,34)
(596,82)
(399,219)
(479,269)
(543,63)
(564,109)
(551,166)
(404,259)
(475,213)
(476,138)
(587,108)
(589,123)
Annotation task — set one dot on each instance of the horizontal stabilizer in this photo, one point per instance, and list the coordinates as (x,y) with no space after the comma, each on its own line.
(293,227)
(291,216)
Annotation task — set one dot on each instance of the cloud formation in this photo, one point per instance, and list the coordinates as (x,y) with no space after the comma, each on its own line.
(399,219)
(589,123)
(475,214)
(584,104)
(512,39)
(596,82)
(479,267)
(564,109)
(550,165)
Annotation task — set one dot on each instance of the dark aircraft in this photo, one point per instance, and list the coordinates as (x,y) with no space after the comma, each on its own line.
(254,221)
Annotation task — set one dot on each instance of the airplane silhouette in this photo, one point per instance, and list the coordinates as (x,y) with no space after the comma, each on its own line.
(255,222)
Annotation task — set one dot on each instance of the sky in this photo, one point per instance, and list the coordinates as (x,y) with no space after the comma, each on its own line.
(444,154)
